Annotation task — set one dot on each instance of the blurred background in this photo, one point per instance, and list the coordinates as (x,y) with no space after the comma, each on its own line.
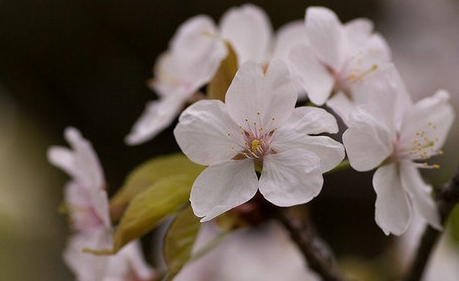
(85,63)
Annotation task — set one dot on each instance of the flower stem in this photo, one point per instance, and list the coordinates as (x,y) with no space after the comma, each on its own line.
(313,248)
(447,197)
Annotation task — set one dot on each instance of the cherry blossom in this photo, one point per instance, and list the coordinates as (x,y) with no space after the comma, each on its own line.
(87,203)
(397,138)
(336,56)
(257,128)
(195,53)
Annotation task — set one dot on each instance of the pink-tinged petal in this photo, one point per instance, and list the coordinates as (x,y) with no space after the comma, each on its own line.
(288,36)
(206,133)
(291,177)
(81,163)
(326,34)
(420,193)
(88,208)
(157,116)
(222,187)
(259,95)
(99,201)
(393,208)
(428,121)
(357,32)
(249,31)
(87,266)
(368,141)
(311,74)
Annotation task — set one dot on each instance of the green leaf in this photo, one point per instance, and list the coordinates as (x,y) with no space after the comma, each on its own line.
(179,241)
(150,207)
(144,176)
(218,86)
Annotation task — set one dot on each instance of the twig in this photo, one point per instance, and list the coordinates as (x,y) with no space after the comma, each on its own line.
(316,252)
(447,197)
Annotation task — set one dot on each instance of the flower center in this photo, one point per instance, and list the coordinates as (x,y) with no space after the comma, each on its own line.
(257,138)
(422,147)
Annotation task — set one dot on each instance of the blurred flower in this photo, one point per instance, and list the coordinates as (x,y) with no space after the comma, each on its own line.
(262,253)
(257,128)
(87,204)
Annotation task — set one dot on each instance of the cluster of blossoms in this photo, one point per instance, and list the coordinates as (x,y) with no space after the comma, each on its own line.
(345,66)
(258,139)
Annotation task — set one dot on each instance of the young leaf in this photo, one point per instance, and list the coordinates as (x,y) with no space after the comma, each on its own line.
(147,174)
(179,241)
(218,86)
(151,206)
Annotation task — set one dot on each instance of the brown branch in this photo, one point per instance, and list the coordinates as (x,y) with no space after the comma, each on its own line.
(447,197)
(316,252)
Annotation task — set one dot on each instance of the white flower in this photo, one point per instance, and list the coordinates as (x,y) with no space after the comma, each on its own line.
(87,203)
(397,138)
(194,55)
(336,55)
(258,127)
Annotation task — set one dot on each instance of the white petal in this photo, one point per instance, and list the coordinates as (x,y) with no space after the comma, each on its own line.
(358,32)
(311,120)
(368,141)
(194,56)
(185,38)
(206,133)
(384,94)
(258,94)
(290,178)
(342,106)
(420,193)
(249,31)
(311,74)
(393,208)
(288,36)
(326,34)
(434,115)
(157,116)
(330,152)
(222,187)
